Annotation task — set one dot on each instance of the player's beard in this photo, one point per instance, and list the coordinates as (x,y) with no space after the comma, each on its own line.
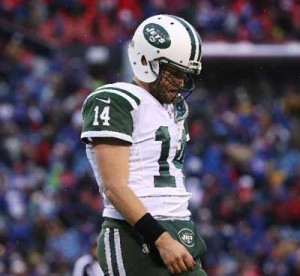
(164,91)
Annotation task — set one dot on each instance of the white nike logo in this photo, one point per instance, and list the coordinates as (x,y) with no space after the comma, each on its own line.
(107,101)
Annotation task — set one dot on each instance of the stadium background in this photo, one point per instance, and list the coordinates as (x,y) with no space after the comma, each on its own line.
(243,161)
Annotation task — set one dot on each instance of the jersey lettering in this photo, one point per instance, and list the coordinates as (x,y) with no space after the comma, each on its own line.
(104,116)
(165,179)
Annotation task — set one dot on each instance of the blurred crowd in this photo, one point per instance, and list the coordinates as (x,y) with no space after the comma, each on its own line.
(242,163)
(112,21)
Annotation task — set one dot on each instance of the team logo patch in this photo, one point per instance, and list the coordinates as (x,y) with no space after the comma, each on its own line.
(146,248)
(157,36)
(187,237)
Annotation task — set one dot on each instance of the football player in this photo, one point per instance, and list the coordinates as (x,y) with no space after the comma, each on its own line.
(88,265)
(135,135)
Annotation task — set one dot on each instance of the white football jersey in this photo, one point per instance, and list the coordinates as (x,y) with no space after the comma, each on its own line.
(157,134)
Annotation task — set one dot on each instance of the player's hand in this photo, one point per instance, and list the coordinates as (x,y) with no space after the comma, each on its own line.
(174,255)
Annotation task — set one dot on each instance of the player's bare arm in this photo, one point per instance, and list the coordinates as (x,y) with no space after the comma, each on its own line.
(112,157)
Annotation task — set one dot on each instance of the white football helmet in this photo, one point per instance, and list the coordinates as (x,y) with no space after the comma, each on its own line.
(165,39)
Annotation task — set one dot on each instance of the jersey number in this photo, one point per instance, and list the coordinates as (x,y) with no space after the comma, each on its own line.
(165,179)
(104,116)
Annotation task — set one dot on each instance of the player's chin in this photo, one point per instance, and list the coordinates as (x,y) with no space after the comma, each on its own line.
(168,100)
(170,96)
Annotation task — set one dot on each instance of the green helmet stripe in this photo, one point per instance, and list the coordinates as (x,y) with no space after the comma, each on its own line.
(200,50)
(191,34)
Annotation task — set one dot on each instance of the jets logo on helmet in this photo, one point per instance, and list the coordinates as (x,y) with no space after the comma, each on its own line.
(157,36)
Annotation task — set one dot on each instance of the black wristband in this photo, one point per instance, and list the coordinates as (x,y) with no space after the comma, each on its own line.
(149,228)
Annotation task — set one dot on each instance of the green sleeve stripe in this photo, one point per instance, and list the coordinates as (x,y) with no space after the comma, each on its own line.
(135,98)
(129,99)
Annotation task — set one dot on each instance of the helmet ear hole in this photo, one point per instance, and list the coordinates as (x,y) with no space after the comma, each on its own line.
(144,60)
